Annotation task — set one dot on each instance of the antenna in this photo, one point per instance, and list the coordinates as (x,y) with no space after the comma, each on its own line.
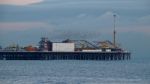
(114,32)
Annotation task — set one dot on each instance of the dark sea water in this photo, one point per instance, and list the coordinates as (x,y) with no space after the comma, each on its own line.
(133,71)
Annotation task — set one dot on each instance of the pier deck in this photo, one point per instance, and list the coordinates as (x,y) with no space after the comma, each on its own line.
(64,55)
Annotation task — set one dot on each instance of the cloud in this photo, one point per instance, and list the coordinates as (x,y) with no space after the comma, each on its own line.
(108,15)
(145,29)
(99,4)
(19,2)
(144,19)
(21,26)
(81,15)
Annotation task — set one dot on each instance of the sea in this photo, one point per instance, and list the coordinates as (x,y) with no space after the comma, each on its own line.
(134,71)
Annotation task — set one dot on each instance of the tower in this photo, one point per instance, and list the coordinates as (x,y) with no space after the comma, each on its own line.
(114,31)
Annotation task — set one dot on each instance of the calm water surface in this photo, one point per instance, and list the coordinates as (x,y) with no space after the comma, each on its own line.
(75,72)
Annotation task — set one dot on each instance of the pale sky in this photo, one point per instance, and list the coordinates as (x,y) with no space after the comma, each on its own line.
(25,21)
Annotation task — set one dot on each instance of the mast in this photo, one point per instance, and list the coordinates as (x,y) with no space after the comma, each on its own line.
(114,31)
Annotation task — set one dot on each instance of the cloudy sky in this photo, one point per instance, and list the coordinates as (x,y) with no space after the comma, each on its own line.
(25,21)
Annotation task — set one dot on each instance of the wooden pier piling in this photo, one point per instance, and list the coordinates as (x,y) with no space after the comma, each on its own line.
(64,56)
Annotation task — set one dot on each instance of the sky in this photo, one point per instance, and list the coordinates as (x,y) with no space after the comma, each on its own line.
(25,21)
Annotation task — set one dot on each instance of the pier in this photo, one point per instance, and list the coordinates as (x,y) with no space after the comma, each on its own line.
(64,56)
